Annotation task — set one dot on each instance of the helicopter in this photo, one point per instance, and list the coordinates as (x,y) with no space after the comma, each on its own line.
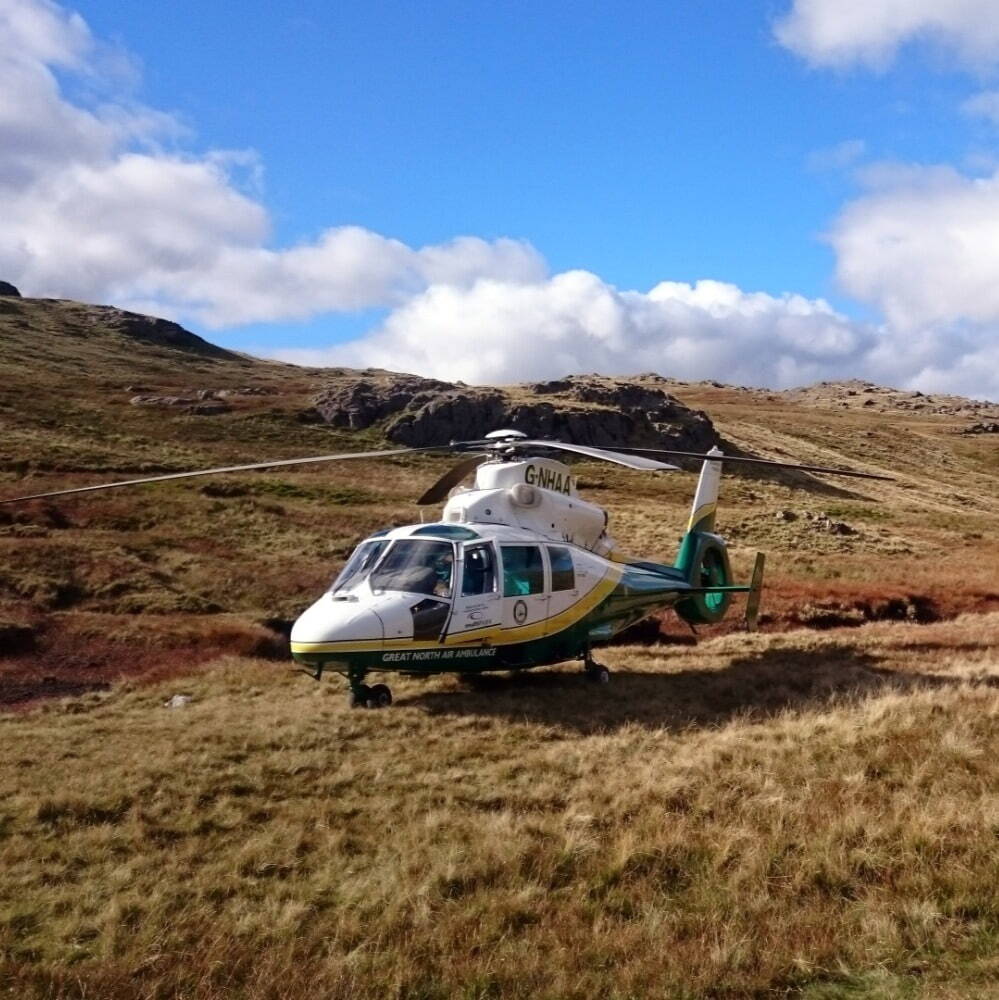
(519,571)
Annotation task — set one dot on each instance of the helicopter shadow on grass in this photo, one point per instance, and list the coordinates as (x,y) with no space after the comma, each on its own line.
(752,688)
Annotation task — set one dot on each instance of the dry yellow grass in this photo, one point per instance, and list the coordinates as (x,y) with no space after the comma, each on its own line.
(790,815)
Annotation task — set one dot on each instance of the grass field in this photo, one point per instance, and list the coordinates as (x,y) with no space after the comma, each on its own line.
(804,812)
(777,815)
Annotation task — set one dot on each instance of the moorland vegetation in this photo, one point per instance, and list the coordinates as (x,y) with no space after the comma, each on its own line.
(808,811)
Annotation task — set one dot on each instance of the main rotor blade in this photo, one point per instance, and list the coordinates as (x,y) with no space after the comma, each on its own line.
(631,461)
(763,461)
(231,468)
(450,479)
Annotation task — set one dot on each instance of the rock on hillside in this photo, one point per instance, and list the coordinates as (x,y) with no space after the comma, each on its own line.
(6,288)
(583,409)
(860,395)
(64,317)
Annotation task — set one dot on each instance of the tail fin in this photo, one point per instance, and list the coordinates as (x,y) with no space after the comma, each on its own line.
(702,514)
(703,558)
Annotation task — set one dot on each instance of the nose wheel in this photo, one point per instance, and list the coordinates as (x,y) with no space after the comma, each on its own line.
(362,696)
(596,673)
(380,696)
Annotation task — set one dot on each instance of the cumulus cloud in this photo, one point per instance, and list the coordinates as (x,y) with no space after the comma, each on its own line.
(920,244)
(870,32)
(99,204)
(496,331)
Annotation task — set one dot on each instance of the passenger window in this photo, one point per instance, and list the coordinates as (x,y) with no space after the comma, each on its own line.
(563,575)
(479,576)
(523,571)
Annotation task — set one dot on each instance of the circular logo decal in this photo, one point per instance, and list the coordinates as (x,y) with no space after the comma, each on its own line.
(520,612)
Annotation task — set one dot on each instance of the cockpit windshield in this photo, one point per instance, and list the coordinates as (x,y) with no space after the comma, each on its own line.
(363,558)
(416,566)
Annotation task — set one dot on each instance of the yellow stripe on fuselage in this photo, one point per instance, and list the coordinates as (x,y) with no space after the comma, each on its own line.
(494,635)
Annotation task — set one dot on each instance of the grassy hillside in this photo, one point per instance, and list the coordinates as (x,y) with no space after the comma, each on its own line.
(806,812)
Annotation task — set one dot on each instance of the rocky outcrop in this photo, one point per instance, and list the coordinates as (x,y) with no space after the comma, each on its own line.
(453,415)
(857,394)
(6,288)
(204,403)
(359,403)
(581,409)
(153,330)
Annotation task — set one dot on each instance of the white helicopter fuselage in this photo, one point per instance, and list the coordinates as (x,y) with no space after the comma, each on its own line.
(519,571)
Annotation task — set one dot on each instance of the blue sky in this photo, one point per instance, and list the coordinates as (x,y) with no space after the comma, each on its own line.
(640,141)
(640,144)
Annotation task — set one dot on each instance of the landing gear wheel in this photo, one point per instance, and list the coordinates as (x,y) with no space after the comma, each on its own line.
(597,673)
(359,696)
(379,696)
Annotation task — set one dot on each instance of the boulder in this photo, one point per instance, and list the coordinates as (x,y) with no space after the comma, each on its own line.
(6,288)
(209,408)
(160,401)
(203,404)
(359,403)
(455,415)
(823,522)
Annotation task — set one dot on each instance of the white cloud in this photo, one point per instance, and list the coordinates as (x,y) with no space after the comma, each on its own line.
(983,105)
(870,32)
(96,208)
(922,245)
(41,31)
(496,331)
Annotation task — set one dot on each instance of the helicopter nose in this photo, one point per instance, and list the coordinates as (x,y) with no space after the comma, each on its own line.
(337,621)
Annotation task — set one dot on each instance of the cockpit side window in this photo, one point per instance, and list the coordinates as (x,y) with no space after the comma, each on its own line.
(416,567)
(362,559)
(523,570)
(479,576)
